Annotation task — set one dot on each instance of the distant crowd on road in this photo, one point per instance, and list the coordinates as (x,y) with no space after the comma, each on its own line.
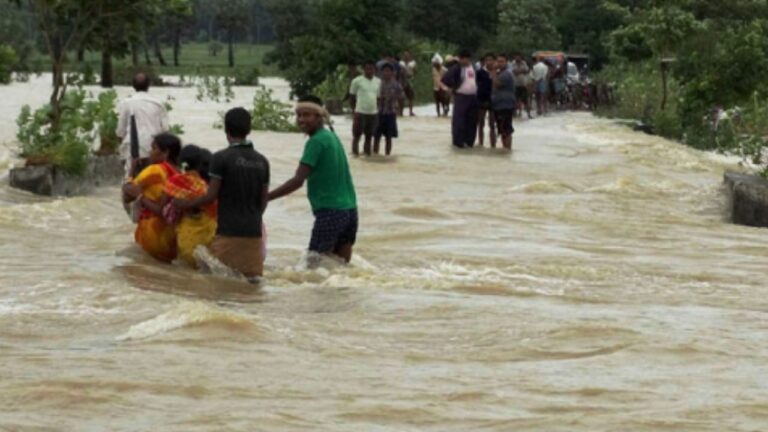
(492,91)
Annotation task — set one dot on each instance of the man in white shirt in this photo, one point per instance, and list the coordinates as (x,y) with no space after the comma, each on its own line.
(364,91)
(462,78)
(541,80)
(150,116)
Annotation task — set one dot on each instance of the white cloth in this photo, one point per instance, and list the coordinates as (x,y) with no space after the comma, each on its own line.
(469,85)
(540,71)
(409,67)
(151,120)
(437,58)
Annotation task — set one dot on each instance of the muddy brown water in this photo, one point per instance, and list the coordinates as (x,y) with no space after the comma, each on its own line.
(586,282)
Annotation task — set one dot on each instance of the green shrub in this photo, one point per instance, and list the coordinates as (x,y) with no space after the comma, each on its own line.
(214,88)
(124,73)
(335,86)
(270,114)
(107,120)
(247,76)
(8,59)
(67,145)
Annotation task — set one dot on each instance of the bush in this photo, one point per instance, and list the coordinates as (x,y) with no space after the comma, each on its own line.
(214,88)
(247,76)
(335,86)
(8,60)
(107,120)
(123,74)
(66,146)
(270,114)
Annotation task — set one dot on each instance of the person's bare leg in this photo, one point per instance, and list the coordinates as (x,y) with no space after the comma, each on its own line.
(410,106)
(494,136)
(389,145)
(376,145)
(367,145)
(344,252)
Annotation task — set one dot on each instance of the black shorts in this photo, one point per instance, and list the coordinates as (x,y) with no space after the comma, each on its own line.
(485,105)
(387,126)
(504,121)
(365,124)
(521,94)
(409,93)
(333,228)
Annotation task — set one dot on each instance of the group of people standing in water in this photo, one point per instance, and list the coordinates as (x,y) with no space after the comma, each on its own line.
(185,198)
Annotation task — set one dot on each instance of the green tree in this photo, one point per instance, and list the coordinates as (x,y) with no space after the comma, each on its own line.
(315,40)
(527,26)
(232,16)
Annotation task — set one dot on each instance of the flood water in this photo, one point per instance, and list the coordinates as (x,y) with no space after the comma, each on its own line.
(587,282)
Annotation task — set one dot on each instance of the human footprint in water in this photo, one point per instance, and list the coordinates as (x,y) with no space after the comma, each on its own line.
(330,190)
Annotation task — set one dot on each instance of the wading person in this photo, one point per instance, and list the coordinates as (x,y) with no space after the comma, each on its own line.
(240,183)
(330,190)
(541,81)
(522,73)
(153,233)
(504,100)
(365,92)
(390,95)
(149,117)
(484,91)
(441,91)
(408,67)
(462,78)
(195,226)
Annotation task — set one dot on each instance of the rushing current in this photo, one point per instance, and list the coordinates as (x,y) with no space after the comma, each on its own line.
(589,281)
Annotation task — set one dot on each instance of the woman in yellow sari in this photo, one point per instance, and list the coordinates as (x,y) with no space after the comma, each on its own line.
(153,233)
(194,227)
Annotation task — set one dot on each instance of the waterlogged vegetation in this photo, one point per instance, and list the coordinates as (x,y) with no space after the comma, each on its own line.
(694,71)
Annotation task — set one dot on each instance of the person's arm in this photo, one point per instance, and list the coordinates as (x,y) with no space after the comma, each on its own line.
(292,185)
(213,193)
(155,207)
(353,95)
(131,192)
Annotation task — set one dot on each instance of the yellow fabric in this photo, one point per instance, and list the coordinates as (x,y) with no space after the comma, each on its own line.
(156,237)
(193,231)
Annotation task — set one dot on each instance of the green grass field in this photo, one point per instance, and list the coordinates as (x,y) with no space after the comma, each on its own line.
(194,58)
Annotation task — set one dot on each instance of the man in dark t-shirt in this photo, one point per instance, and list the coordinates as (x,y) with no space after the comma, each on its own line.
(240,183)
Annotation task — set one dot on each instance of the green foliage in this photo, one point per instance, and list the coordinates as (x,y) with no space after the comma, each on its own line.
(8,59)
(335,86)
(106,117)
(320,36)
(529,25)
(247,76)
(722,69)
(215,88)
(68,143)
(124,74)
(270,114)
(469,24)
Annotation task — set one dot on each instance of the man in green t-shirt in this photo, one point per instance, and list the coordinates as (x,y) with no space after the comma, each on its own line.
(330,189)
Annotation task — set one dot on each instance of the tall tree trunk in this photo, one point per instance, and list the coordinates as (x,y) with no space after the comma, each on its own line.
(134,53)
(231,43)
(158,51)
(80,55)
(147,57)
(176,46)
(106,67)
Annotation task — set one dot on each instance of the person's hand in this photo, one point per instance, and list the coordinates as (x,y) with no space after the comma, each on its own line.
(181,204)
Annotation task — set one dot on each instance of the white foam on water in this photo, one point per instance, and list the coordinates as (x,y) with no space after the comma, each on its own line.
(184,315)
